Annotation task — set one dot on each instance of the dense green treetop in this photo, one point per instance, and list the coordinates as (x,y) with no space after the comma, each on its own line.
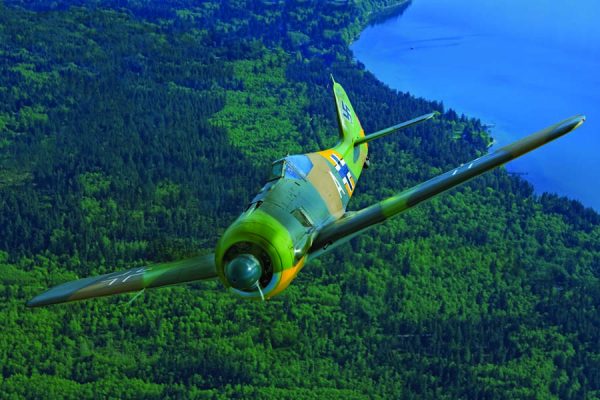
(137,130)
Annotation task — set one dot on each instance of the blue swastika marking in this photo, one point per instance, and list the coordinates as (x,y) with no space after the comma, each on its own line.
(346,112)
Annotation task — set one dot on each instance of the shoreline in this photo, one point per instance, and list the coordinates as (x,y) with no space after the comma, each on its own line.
(387,12)
(509,103)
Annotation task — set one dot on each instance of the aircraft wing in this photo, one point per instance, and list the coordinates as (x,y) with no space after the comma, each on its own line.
(135,279)
(354,223)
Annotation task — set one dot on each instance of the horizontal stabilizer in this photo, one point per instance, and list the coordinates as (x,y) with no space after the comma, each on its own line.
(392,129)
(351,224)
(197,268)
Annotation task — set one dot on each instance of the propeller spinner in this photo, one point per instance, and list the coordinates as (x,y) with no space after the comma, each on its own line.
(243,272)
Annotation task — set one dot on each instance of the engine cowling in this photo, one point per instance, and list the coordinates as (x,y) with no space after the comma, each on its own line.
(255,251)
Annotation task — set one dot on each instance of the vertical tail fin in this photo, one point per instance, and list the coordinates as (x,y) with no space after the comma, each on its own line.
(348,123)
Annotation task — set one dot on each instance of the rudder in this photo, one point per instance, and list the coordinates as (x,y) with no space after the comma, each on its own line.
(348,123)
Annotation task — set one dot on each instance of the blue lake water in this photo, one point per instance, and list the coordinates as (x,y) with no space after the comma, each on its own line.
(519,65)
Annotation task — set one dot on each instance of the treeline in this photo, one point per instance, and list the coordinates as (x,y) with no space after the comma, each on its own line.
(134,131)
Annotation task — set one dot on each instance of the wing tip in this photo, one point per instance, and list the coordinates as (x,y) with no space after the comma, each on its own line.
(54,295)
(39,301)
(569,124)
(579,119)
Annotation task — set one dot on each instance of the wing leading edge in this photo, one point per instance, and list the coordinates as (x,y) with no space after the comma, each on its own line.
(352,224)
(135,279)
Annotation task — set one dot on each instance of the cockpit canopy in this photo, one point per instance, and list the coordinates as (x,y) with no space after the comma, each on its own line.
(291,167)
(277,169)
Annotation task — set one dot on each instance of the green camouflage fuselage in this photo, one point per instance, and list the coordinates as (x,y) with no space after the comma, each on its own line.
(304,193)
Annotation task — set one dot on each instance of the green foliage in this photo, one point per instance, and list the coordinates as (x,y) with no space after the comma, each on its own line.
(264,107)
(134,131)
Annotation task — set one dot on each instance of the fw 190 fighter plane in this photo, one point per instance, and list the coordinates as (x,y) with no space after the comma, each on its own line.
(298,215)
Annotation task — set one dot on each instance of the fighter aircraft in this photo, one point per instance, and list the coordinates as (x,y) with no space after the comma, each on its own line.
(298,215)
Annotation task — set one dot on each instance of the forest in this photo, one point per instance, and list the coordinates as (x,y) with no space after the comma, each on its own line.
(134,132)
